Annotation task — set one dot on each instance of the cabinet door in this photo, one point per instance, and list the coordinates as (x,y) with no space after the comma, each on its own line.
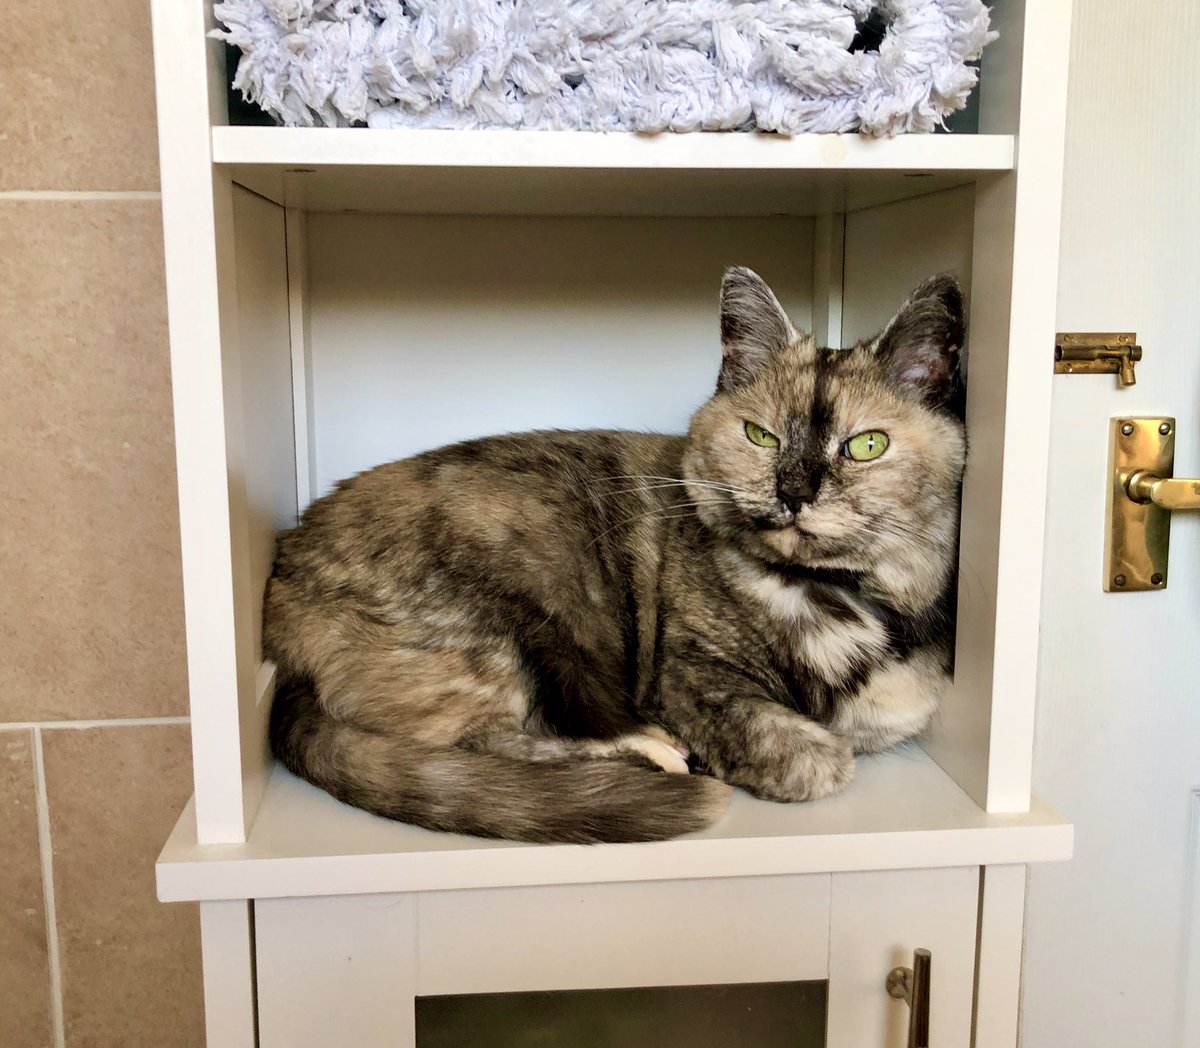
(354,969)
(876,921)
(639,964)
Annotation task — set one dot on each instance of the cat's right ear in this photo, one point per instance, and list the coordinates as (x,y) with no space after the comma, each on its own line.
(921,347)
(753,327)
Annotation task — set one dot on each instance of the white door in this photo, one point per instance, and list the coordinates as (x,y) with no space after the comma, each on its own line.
(1113,938)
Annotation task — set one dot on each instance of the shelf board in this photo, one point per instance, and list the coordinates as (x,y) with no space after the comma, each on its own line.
(902,812)
(592,173)
(314,147)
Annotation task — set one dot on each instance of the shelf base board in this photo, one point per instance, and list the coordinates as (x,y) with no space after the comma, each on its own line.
(903,812)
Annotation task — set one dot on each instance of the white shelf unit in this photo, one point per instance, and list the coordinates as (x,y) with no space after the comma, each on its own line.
(338,297)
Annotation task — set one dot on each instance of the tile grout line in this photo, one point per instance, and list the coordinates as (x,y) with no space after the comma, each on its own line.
(79,194)
(81,725)
(53,953)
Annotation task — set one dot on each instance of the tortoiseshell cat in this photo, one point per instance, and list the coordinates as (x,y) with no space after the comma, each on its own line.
(516,636)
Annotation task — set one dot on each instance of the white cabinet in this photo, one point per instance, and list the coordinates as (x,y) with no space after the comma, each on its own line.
(342,297)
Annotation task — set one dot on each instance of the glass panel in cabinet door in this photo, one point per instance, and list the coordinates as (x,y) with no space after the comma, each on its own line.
(751,1015)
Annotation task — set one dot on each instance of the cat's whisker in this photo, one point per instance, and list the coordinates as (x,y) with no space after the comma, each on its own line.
(657,511)
(885,535)
(640,476)
(716,486)
(677,480)
(893,528)
(659,487)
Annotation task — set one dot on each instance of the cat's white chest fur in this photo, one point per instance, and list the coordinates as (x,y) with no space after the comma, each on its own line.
(832,645)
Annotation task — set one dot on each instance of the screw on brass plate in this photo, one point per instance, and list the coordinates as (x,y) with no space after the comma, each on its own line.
(1119,580)
(1127,429)
(1156,579)
(1165,428)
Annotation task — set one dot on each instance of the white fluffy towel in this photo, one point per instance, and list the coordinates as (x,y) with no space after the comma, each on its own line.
(607,65)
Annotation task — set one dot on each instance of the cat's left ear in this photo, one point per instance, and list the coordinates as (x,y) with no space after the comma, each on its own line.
(921,347)
(754,327)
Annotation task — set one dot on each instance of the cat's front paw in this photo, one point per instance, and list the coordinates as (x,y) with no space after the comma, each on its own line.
(796,760)
(659,747)
(822,768)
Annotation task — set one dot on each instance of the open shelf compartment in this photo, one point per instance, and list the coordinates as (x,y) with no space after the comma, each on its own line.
(354,339)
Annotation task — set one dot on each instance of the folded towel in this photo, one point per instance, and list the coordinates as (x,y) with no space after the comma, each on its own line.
(789,66)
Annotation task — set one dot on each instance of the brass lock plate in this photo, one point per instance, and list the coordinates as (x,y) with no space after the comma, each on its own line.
(1139,533)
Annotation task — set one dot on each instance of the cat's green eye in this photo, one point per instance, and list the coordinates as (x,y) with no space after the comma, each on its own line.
(760,436)
(865,446)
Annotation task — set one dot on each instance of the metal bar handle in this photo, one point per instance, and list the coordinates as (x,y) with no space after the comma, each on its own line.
(912,985)
(1168,492)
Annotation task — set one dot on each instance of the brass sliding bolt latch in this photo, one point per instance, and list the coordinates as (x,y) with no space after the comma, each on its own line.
(1097,353)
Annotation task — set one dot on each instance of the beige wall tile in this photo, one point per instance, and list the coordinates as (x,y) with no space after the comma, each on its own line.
(24,970)
(91,606)
(77,83)
(130,965)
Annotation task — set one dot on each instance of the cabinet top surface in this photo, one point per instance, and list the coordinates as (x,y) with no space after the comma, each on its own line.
(903,812)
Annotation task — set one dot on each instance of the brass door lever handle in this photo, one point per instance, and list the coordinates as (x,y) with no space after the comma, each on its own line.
(1142,494)
(1166,492)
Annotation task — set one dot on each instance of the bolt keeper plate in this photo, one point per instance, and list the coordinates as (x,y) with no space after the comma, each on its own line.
(1139,534)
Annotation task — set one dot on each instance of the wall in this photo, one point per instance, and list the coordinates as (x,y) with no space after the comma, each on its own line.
(532,322)
(94,761)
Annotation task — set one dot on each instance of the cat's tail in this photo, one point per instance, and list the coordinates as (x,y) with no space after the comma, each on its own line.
(575,801)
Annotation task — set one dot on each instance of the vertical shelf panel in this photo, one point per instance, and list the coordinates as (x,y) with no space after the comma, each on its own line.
(262,462)
(197,234)
(984,738)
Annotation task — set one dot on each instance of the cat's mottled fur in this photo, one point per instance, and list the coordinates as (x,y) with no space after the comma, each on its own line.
(507,636)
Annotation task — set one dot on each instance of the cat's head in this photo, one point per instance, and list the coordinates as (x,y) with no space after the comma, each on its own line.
(846,460)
